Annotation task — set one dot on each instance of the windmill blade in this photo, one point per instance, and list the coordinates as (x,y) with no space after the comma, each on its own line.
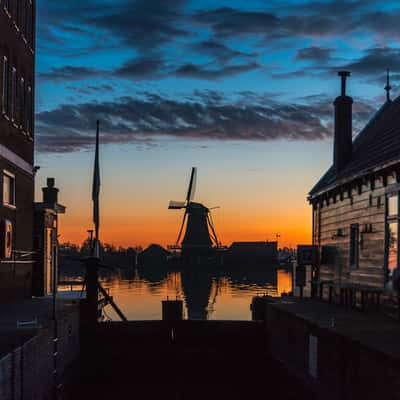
(211,224)
(192,185)
(176,205)
(181,230)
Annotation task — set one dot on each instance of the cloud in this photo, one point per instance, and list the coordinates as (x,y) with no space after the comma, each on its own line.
(219,51)
(203,72)
(143,68)
(376,60)
(142,119)
(70,73)
(144,24)
(205,42)
(314,53)
(316,19)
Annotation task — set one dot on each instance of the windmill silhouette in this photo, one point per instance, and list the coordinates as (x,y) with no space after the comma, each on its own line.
(200,237)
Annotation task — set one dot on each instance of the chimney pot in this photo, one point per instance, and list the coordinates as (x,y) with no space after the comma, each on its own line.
(50,182)
(50,192)
(344,75)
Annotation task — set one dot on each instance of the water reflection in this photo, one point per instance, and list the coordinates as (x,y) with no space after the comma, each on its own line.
(206,294)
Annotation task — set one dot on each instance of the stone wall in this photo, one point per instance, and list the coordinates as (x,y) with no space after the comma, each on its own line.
(27,372)
(333,365)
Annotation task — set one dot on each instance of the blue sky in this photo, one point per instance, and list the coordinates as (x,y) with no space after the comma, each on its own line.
(245,84)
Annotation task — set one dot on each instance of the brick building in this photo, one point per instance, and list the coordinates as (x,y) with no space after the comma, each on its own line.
(17,65)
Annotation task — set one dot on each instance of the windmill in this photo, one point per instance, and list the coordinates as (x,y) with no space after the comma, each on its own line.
(200,237)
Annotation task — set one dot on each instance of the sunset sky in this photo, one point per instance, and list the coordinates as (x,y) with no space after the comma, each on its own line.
(241,89)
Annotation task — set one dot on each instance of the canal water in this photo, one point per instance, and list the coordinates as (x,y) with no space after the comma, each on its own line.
(212,295)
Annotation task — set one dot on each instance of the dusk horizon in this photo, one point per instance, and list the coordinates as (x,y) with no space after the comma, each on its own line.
(200,199)
(243,92)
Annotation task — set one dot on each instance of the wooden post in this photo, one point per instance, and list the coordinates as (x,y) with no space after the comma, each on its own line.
(92,293)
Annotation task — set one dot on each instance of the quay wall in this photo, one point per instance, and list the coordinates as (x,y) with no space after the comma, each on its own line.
(331,364)
(27,372)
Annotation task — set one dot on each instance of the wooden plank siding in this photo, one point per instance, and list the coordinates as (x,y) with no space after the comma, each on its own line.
(331,232)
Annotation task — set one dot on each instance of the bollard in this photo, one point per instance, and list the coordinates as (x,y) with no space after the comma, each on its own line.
(172,310)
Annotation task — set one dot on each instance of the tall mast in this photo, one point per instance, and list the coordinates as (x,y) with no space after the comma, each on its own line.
(95,196)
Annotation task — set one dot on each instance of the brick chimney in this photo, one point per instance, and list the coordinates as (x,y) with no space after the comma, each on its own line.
(343,126)
(50,193)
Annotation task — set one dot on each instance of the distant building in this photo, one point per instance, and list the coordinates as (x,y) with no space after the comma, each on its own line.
(356,202)
(153,255)
(17,56)
(46,240)
(255,253)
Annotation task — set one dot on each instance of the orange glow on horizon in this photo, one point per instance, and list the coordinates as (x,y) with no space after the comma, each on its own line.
(120,232)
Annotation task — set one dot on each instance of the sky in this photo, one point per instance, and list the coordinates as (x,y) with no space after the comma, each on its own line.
(242,90)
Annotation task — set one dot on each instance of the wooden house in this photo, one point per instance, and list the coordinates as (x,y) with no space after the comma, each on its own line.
(356,203)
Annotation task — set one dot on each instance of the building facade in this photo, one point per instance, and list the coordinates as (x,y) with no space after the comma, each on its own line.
(356,202)
(45,270)
(17,65)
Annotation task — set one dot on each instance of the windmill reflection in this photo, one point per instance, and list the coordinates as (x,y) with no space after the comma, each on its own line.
(215,294)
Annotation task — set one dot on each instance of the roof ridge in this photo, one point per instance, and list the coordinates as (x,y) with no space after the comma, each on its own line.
(368,149)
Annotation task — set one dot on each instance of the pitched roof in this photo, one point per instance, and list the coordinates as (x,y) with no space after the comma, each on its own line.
(376,146)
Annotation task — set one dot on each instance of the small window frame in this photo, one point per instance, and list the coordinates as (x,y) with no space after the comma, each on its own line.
(354,252)
(13,202)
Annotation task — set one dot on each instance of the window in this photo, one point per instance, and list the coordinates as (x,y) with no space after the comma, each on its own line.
(393,206)
(392,252)
(4,83)
(18,15)
(392,238)
(22,103)
(8,189)
(29,111)
(29,23)
(354,245)
(13,94)
(6,5)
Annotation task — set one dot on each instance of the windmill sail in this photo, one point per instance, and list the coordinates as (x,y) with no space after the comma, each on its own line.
(96,194)
(192,185)
(197,238)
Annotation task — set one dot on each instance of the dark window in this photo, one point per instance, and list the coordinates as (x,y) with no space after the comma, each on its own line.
(354,245)
(22,103)
(6,5)
(13,94)
(4,81)
(29,111)
(29,23)
(24,20)
(18,14)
